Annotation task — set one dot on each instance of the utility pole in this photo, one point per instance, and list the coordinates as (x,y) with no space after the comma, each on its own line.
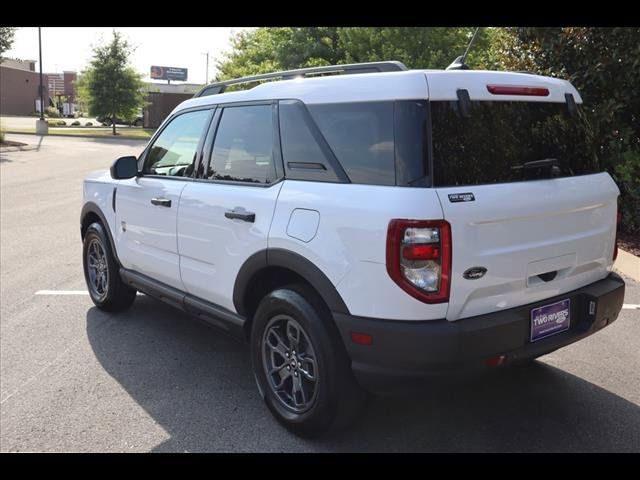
(206,81)
(42,128)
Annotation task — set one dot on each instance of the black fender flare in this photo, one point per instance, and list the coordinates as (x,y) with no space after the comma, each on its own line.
(278,257)
(91,207)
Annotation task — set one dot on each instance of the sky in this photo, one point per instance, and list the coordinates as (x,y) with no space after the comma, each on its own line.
(70,48)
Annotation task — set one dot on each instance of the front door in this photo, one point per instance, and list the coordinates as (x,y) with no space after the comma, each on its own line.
(147,206)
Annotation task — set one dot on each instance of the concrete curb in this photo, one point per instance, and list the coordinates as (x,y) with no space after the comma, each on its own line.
(628,264)
(105,137)
(17,148)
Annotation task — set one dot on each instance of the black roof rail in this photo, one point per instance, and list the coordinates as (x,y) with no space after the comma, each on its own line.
(352,68)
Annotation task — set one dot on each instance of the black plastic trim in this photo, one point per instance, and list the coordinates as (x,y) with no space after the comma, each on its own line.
(91,207)
(277,257)
(306,165)
(411,350)
(211,313)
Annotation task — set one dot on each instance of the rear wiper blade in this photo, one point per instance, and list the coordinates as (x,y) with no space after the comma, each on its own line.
(545,162)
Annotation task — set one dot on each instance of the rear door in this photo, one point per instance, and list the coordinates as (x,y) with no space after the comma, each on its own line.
(226,213)
(147,205)
(537,229)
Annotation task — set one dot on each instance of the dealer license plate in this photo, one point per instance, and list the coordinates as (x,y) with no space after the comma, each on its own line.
(550,319)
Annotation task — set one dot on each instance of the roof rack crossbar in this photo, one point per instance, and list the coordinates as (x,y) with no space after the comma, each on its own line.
(219,87)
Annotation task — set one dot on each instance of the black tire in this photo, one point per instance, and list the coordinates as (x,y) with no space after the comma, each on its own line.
(336,400)
(112,294)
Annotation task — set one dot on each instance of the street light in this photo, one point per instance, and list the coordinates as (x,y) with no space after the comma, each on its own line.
(206,82)
(42,127)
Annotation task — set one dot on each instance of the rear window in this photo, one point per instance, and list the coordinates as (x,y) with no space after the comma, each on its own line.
(496,140)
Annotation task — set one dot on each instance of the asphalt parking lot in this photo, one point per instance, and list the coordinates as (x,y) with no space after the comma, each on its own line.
(73,378)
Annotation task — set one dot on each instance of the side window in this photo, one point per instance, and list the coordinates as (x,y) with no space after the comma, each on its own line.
(361,137)
(243,147)
(303,157)
(173,151)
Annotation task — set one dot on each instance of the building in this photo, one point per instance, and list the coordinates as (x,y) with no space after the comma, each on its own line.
(62,91)
(19,87)
(162,98)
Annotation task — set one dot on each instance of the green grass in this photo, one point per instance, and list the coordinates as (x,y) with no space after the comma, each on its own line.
(142,133)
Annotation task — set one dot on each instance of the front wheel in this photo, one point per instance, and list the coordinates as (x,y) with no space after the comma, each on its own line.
(106,288)
(300,364)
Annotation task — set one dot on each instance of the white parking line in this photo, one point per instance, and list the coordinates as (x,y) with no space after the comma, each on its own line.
(62,292)
(631,306)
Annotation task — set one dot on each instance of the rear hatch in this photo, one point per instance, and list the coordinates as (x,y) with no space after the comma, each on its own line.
(519,183)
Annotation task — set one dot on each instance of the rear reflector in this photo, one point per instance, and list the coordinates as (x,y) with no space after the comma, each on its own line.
(496,361)
(361,338)
(518,90)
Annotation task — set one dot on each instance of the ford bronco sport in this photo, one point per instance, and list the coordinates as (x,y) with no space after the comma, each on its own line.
(363,223)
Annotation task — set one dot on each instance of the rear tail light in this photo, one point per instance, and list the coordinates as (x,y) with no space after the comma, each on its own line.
(615,246)
(518,90)
(419,258)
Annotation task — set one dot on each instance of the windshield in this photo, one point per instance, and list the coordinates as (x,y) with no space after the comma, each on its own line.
(500,141)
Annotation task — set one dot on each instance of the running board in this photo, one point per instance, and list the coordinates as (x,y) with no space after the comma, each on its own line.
(213,314)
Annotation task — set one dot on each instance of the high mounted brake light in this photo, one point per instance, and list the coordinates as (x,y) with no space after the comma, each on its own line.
(518,90)
(419,258)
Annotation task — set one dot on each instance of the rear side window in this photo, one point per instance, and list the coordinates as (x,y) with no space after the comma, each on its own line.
(243,146)
(361,137)
(305,158)
(497,141)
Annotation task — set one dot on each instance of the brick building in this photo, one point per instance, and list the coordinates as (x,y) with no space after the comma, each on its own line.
(19,86)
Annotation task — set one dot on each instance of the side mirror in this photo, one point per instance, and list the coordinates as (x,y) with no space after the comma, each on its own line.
(124,167)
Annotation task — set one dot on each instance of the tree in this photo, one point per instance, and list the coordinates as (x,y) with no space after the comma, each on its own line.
(270,49)
(602,63)
(109,87)
(6,39)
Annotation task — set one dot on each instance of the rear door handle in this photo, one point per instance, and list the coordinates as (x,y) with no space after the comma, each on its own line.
(161,202)
(241,215)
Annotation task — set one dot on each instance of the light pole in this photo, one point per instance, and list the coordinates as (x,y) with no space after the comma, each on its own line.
(42,128)
(206,81)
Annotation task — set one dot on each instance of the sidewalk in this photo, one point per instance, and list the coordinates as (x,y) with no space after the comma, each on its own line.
(628,265)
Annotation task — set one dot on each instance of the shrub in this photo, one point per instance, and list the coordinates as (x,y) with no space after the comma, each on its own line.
(52,112)
(57,123)
(88,124)
(75,123)
(627,172)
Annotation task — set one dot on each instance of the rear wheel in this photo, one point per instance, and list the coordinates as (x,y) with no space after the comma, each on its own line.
(106,288)
(300,365)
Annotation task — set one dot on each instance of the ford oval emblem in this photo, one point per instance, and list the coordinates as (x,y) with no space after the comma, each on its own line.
(474,273)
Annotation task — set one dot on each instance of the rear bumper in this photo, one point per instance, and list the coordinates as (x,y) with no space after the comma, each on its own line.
(410,350)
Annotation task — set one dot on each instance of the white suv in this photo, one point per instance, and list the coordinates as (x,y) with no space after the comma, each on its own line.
(363,227)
